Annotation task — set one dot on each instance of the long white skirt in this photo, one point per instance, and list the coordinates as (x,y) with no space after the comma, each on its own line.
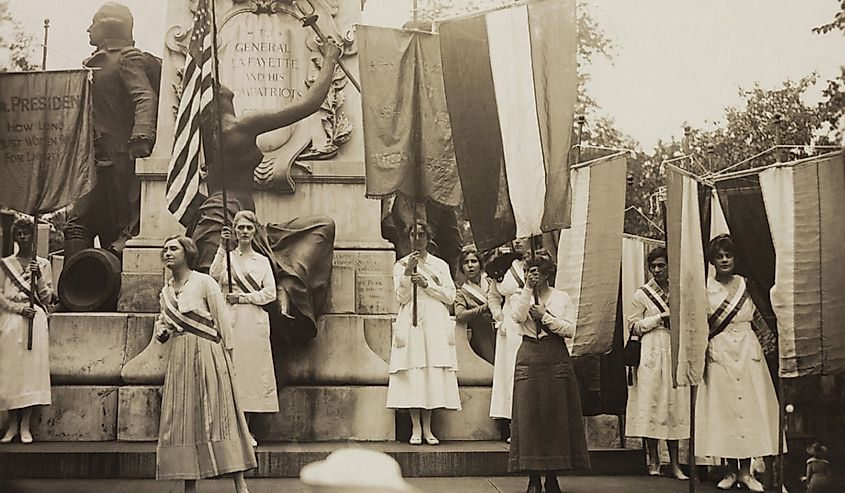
(737,408)
(501,399)
(24,374)
(424,388)
(655,409)
(255,379)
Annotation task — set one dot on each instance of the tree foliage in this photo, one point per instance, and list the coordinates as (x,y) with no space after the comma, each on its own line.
(765,118)
(16,47)
(837,23)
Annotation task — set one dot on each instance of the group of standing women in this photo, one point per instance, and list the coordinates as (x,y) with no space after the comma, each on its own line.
(534,380)
(737,409)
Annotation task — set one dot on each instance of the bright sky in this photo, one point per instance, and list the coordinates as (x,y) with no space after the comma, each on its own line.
(676,60)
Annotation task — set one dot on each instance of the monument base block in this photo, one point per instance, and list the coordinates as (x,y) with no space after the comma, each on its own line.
(79,413)
(323,414)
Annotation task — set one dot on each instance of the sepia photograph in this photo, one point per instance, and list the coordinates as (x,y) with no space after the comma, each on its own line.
(422,246)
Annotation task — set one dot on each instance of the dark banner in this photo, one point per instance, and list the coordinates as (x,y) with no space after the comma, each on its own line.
(46,157)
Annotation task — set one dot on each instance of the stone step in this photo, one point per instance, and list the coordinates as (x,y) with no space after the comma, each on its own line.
(119,460)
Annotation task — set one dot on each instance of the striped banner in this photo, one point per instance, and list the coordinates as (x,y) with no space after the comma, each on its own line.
(589,253)
(687,288)
(634,269)
(808,233)
(511,81)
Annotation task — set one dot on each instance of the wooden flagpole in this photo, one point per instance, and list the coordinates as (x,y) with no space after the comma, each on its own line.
(218,138)
(417,187)
(32,281)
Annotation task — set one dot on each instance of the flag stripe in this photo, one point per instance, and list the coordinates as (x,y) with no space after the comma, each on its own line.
(571,244)
(553,32)
(510,61)
(807,289)
(831,198)
(687,288)
(673,212)
(476,130)
(602,239)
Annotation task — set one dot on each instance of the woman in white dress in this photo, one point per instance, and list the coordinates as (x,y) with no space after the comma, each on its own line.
(423,361)
(508,337)
(253,286)
(24,373)
(737,409)
(656,410)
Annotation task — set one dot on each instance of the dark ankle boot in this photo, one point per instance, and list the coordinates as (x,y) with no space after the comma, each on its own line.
(534,485)
(551,484)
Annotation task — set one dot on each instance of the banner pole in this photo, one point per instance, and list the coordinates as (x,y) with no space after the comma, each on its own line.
(693,391)
(32,281)
(44,45)
(781,433)
(217,137)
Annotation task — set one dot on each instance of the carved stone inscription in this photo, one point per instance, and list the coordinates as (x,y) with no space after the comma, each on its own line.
(342,288)
(265,61)
(374,283)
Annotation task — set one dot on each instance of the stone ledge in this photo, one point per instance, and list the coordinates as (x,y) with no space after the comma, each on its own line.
(110,460)
(92,348)
(78,413)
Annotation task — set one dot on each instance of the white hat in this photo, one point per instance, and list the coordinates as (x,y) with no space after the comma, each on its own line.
(356,469)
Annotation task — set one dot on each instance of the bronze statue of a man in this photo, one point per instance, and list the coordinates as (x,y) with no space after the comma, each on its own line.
(125,106)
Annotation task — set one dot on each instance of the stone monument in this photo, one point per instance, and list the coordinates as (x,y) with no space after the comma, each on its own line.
(334,387)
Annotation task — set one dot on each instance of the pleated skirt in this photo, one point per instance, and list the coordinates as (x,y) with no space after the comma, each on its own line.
(203,432)
(547,429)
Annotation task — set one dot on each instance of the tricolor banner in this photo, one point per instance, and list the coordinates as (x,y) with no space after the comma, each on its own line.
(687,288)
(511,86)
(803,201)
(589,253)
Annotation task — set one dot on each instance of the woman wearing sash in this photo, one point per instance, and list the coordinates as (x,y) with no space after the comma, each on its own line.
(471,305)
(737,409)
(423,361)
(203,432)
(507,340)
(24,373)
(547,428)
(253,285)
(656,410)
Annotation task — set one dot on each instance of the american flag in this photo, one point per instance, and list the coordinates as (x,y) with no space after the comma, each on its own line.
(196,106)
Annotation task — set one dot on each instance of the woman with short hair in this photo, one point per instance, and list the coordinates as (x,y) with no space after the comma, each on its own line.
(203,432)
(471,306)
(737,409)
(547,429)
(253,286)
(24,373)
(423,361)
(656,409)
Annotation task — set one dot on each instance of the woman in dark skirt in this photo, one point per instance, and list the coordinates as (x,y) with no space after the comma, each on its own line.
(547,431)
